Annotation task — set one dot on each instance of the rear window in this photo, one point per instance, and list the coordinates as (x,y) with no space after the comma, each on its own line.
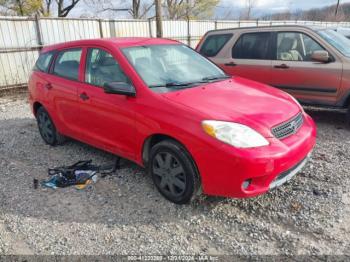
(67,63)
(43,62)
(252,46)
(213,44)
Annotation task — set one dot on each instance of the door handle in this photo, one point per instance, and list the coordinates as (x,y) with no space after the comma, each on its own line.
(84,96)
(282,66)
(230,64)
(48,86)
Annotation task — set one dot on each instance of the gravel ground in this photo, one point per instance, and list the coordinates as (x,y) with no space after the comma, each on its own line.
(124,214)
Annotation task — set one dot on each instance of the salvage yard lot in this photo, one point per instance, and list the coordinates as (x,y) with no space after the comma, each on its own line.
(124,213)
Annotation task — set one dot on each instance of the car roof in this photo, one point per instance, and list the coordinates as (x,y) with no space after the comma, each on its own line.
(312,27)
(116,41)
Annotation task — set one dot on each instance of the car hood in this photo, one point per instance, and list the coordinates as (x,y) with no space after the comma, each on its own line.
(239,100)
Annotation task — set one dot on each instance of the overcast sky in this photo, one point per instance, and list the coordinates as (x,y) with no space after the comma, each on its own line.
(234,6)
(278,5)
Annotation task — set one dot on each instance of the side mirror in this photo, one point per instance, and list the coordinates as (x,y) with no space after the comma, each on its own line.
(120,88)
(321,56)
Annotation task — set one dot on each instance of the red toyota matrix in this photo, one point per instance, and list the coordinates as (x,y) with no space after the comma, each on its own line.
(167,108)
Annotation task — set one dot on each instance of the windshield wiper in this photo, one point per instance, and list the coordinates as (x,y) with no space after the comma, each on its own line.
(213,78)
(184,85)
(172,84)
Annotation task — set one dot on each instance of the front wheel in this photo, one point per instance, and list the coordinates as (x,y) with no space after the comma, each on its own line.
(173,172)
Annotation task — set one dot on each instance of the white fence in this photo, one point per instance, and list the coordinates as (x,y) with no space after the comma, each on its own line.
(22,37)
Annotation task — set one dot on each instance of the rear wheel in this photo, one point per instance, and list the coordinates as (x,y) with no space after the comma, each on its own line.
(47,128)
(173,172)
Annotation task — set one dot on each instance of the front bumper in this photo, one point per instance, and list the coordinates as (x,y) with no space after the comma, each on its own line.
(224,169)
(288,175)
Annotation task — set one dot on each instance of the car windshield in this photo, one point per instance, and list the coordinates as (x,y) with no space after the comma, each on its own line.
(337,40)
(166,68)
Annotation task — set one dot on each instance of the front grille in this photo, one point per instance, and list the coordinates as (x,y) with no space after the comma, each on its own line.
(288,128)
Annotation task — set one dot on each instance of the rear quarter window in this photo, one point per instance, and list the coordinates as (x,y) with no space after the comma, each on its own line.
(214,43)
(43,62)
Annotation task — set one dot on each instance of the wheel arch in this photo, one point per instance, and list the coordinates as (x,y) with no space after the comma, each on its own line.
(154,139)
(347,101)
(36,106)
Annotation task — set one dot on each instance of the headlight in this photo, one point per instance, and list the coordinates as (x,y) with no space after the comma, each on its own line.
(234,134)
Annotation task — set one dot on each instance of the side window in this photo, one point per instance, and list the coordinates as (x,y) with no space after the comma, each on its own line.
(310,46)
(252,46)
(294,46)
(214,43)
(102,68)
(43,62)
(67,63)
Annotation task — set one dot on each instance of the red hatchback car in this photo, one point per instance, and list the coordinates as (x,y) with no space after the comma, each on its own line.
(167,108)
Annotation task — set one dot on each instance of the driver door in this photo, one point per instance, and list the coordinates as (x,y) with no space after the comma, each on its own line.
(294,71)
(107,119)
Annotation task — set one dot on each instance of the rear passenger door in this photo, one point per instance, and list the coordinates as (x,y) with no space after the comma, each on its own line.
(62,89)
(250,57)
(294,71)
(108,120)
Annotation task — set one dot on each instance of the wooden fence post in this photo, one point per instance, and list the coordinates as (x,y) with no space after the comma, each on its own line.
(39,38)
(188,33)
(100,27)
(150,27)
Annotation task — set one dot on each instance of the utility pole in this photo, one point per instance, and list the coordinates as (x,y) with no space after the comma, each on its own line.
(158,5)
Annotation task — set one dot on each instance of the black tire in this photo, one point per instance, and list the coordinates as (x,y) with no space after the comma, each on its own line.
(173,172)
(347,120)
(47,128)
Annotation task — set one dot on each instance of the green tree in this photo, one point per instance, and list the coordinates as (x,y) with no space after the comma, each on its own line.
(190,9)
(21,7)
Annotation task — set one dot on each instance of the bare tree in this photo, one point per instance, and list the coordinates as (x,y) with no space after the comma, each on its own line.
(138,10)
(45,8)
(247,11)
(174,8)
(337,8)
(135,8)
(62,9)
(282,16)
